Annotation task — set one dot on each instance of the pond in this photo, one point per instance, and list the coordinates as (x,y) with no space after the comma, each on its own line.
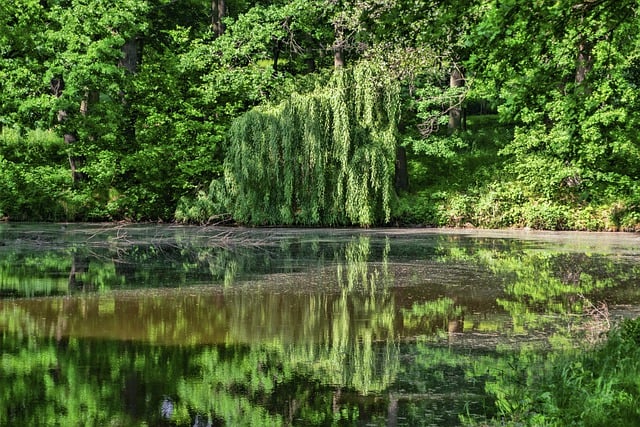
(177,325)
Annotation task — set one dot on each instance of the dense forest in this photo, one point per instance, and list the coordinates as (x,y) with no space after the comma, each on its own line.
(483,113)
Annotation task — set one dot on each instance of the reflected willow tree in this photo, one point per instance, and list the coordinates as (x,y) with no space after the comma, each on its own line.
(345,343)
(347,335)
(360,351)
(315,347)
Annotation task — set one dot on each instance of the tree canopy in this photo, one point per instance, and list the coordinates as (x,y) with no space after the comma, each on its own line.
(481,112)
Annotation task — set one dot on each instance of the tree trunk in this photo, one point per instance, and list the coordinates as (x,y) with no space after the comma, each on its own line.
(218,11)
(456,80)
(584,65)
(311,64)
(338,57)
(57,88)
(402,172)
(338,46)
(75,161)
(131,54)
(277,46)
(90,98)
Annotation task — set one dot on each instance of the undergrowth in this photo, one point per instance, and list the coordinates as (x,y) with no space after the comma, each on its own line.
(482,186)
(594,387)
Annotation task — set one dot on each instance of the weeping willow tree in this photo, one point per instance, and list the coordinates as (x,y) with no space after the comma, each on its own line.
(322,158)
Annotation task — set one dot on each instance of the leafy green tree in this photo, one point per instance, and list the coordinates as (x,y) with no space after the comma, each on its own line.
(321,158)
(564,74)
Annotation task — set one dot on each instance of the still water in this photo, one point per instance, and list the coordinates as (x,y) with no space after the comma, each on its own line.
(173,325)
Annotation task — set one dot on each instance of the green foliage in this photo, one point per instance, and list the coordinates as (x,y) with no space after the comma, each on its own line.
(572,142)
(432,316)
(563,77)
(487,182)
(320,158)
(415,209)
(207,207)
(596,387)
(629,331)
(34,180)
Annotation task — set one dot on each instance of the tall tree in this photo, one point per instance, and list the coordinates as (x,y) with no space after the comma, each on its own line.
(320,158)
(24,49)
(89,39)
(563,74)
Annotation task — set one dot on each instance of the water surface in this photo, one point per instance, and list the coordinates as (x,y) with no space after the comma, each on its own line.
(174,325)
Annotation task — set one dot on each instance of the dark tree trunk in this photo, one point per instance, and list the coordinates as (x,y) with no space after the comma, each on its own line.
(338,46)
(338,57)
(130,61)
(130,55)
(277,46)
(79,266)
(456,80)
(584,66)
(311,64)
(464,119)
(218,11)
(402,173)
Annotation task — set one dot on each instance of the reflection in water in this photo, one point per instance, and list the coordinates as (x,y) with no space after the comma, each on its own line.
(189,326)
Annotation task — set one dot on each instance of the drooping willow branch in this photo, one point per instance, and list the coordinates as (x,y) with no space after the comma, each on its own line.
(323,158)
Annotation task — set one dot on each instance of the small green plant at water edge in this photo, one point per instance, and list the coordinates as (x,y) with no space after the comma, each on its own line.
(596,387)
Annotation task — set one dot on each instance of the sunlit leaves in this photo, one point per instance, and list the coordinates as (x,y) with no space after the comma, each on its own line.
(562,71)
(320,158)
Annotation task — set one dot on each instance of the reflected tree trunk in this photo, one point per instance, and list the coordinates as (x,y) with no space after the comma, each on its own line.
(62,338)
(335,401)
(133,395)
(392,411)
(79,265)
(455,326)
(292,410)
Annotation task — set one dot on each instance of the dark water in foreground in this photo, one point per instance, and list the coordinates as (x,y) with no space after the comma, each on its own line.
(164,325)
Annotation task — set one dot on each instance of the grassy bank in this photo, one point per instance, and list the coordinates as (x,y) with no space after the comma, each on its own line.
(594,387)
